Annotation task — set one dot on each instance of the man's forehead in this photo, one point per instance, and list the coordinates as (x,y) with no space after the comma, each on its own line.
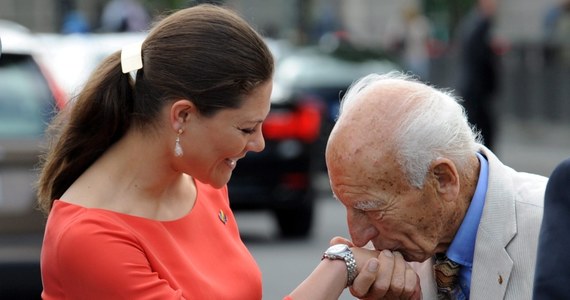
(367,191)
(382,95)
(374,109)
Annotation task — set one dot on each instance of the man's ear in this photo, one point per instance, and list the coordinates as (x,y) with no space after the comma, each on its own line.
(446,178)
(180,112)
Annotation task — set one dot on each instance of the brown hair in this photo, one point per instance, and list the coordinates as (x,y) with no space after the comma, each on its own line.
(207,54)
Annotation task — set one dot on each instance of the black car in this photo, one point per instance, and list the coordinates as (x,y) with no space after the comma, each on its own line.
(283,178)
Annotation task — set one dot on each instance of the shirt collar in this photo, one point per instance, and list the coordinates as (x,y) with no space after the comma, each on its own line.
(463,245)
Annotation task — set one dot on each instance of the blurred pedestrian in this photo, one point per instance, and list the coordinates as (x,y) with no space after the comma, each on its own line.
(135,180)
(415,42)
(478,75)
(417,183)
(557,32)
(553,262)
(407,37)
(549,29)
(125,16)
(74,21)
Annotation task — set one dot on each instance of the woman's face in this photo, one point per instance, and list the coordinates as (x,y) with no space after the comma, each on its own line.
(213,145)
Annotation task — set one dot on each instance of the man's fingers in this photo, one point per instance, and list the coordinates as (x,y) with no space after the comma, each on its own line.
(365,278)
(411,285)
(394,279)
(399,275)
(385,271)
(417,295)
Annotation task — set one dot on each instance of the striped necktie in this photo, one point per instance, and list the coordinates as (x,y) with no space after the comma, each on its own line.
(446,274)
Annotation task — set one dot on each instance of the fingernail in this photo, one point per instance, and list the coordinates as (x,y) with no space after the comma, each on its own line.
(373,266)
(388,253)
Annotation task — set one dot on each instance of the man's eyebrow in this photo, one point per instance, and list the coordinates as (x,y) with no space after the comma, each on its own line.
(367,205)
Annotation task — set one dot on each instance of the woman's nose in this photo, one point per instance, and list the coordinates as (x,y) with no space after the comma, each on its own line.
(257,143)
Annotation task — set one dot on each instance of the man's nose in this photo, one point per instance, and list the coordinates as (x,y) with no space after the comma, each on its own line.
(361,230)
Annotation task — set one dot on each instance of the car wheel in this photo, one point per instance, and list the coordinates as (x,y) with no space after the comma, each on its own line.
(296,222)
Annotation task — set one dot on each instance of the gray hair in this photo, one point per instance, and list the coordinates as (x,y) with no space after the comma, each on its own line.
(434,127)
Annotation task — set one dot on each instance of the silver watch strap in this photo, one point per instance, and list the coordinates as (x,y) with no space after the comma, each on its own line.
(350,262)
(350,267)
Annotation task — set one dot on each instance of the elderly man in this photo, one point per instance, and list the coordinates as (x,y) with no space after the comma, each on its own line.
(417,184)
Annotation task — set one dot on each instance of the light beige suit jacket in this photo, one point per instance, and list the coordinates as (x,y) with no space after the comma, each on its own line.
(507,238)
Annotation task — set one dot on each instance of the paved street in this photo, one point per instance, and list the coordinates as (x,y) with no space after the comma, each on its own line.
(285,263)
(525,146)
(532,146)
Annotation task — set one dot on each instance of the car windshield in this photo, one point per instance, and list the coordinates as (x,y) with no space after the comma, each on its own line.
(26,104)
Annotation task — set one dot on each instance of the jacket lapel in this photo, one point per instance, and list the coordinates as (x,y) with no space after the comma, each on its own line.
(492,265)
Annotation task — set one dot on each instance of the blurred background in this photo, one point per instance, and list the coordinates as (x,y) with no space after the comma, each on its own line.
(321,46)
(531,40)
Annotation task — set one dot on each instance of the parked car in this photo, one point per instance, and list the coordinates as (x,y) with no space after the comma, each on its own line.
(282,177)
(326,71)
(29,98)
(71,58)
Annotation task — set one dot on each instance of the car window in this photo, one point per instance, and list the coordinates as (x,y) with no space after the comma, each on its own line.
(26,102)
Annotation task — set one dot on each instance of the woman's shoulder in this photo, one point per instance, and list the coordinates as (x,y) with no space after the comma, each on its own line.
(72,230)
(66,217)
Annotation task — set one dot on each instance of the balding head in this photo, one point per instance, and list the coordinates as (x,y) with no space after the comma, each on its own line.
(368,118)
(371,114)
(395,117)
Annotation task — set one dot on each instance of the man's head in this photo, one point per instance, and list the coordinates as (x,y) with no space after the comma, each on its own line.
(488,7)
(401,158)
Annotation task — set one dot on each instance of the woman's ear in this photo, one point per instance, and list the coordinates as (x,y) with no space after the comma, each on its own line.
(180,112)
(446,178)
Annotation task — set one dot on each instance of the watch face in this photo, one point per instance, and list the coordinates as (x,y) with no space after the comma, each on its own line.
(338,248)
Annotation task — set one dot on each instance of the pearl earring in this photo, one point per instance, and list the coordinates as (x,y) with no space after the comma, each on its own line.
(177,148)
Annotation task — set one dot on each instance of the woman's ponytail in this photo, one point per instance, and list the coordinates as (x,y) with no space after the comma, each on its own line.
(84,129)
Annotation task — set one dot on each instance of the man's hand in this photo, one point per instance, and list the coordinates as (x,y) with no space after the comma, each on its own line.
(386,276)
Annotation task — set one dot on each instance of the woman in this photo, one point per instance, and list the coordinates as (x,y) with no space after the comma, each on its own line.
(134,183)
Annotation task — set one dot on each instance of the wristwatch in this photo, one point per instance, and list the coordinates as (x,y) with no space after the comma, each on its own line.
(343,252)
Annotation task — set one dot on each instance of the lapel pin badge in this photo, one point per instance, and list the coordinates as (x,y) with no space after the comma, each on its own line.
(223,217)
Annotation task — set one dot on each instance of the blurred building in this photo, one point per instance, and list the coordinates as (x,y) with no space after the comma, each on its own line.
(366,20)
(532,86)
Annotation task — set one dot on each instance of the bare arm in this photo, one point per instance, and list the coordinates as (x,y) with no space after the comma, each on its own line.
(329,279)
